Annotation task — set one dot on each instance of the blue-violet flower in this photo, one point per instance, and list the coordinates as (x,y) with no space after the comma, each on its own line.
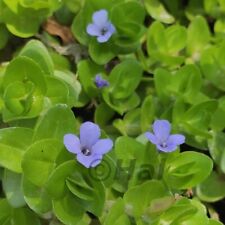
(100,82)
(101,27)
(162,138)
(89,149)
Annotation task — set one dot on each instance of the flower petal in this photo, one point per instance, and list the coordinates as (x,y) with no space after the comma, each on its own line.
(72,143)
(102,146)
(100,82)
(89,161)
(96,162)
(98,77)
(111,28)
(161,130)
(93,30)
(104,38)
(176,139)
(152,138)
(100,18)
(89,134)
(168,148)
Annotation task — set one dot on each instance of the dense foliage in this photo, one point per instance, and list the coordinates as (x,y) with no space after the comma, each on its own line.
(148,75)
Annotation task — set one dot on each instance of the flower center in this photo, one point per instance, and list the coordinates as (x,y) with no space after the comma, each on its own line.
(86,151)
(103,31)
(163,145)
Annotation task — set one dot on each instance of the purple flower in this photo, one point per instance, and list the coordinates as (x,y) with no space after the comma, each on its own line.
(162,138)
(100,82)
(88,148)
(101,27)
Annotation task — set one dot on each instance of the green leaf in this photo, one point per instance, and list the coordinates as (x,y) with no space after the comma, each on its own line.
(59,176)
(24,216)
(162,82)
(198,37)
(176,38)
(124,78)
(75,5)
(61,63)
(187,170)
(73,85)
(165,44)
(87,71)
(117,214)
(89,191)
(81,190)
(218,120)
(12,148)
(14,95)
(35,50)
(79,25)
(134,149)
(130,125)
(121,12)
(73,177)
(147,112)
(216,148)
(65,211)
(12,187)
(101,53)
(6,210)
(40,4)
(122,105)
(13,5)
(219,26)
(39,160)
(140,197)
(212,65)
(24,69)
(180,212)
(188,81)
(103,114)
(55,123)
(212,189)
(158,12)
(57,91)
(196,119)
(200,216)
(18,20)
(160,205)
(156,39)
(36,198)
(24,86)
(128,25)
(214,8)
(12,136)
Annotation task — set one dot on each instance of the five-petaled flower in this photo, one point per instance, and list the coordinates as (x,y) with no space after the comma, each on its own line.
(88,148)
(101,27)
(100,82)
(162,138)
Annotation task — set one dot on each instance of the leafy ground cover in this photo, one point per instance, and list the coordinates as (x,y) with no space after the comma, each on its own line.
(112,112)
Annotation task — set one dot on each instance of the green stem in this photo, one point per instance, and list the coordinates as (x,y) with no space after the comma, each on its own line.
(162,165)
